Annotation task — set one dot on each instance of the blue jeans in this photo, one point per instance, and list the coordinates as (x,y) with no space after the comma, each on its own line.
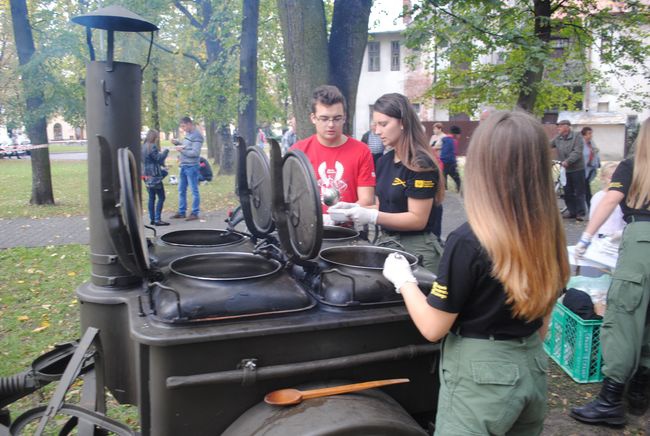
(189,174)
(156,209)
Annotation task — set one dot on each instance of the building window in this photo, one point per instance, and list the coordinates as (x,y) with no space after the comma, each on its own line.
(603,106)
(373,56)
(394,56)
(58,132)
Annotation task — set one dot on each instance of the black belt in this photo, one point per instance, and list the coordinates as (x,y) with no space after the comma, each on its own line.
(636,218)
(405,233)
(485,335)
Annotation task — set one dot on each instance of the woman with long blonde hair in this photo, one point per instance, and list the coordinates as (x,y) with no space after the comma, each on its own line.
(499,277)
(408,183)
(625,335)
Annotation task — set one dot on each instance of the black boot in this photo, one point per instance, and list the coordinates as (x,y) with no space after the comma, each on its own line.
(607,408)
(637,391)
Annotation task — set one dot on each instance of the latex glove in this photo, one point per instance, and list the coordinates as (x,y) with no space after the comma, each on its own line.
(342,205)
(582,245)
(361,215)
(398,271)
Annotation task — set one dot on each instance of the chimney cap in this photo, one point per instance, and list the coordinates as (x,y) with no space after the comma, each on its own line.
(115,18)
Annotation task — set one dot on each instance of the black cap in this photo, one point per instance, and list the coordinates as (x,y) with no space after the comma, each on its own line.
(455,130)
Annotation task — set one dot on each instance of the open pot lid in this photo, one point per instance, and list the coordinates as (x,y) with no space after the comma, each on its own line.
(254,188)
(296,204)
(121,207)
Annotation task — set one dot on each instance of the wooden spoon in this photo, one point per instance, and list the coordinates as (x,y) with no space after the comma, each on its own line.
(287,397)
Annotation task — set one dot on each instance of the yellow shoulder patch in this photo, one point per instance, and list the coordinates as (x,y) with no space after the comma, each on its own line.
(615,185)
(438,290)
(423,184)
(399,182)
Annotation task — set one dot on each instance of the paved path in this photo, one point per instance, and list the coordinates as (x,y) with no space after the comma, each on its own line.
(27,232)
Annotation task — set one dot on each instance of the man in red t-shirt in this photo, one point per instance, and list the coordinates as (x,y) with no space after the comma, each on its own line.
(339,161)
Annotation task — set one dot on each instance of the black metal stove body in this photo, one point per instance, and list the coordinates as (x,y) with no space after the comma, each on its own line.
(196,340)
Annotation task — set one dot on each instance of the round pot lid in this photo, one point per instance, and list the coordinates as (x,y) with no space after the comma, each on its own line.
(133,254)
(254,179)
(296,203)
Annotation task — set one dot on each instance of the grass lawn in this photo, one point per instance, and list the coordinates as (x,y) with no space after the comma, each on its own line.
(70,185)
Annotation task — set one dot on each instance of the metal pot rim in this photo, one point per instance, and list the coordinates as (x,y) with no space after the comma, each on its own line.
(175,272)
(221,231)
(410,257)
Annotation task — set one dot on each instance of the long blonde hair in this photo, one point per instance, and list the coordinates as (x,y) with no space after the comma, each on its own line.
(512,209)
(638,197)
(413,148)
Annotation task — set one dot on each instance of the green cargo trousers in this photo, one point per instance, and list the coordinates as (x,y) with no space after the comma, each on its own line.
(492,387)
(425,245)
(625,333)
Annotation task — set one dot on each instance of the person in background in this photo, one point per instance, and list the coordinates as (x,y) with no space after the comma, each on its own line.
(448,147)
(289,137)
(340,162)
(592,160)
(492,300)
(570,147)
(189,153)
(205,170)
(152,161)
(625,335)
(374,143)
(408,183)
(436,139)
(261,138)
(614,224)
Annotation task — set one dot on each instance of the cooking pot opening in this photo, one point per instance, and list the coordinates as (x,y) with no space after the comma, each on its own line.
(362,256)
(224,266)
(201,238)
(339,233)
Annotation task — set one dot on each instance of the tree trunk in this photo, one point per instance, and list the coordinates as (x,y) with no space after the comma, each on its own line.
(348,38)
(305,49)
(35,121)
(155,109)
(535,72)
(248,71)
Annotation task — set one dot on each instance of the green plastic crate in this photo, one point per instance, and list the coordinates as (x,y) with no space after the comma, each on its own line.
(574,344)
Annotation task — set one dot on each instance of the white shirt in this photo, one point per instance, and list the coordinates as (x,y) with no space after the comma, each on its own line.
(615,221)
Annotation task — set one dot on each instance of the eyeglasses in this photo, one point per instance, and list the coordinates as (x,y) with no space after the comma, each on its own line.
(334,120)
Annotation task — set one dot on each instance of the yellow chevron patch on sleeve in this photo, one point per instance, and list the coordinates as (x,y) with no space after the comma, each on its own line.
(399,182)
(615,185)
(423,184)
(438,290)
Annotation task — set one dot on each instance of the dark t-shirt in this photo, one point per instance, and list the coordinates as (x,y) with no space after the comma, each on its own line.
(621,182)
(396,183)
(465,286)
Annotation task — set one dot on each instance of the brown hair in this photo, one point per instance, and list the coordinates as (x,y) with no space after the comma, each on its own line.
(512,209)
(151,139)
(437,125)
(327,95)
(638,197)
(586,130)
(412,149)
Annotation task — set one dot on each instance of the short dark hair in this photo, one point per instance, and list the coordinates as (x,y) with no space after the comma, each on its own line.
(327,95)
(564,123)
(455,130)
(187,120)
(586,130)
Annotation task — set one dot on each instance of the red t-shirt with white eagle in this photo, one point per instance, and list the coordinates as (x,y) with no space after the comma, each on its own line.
(345,167)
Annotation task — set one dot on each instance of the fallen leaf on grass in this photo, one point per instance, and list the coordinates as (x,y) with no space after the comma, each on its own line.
(72,273)
(23,318)
(42,327)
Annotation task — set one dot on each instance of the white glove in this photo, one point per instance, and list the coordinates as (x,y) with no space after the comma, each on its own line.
(582,245)
(398,271)
(342,205)
(361,215)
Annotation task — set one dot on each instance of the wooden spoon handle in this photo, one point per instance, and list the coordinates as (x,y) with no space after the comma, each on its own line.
(335,390)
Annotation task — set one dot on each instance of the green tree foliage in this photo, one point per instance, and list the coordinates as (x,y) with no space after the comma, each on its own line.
(533,53)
